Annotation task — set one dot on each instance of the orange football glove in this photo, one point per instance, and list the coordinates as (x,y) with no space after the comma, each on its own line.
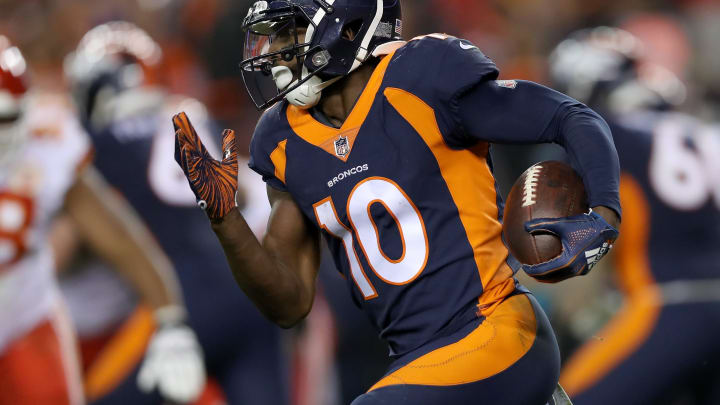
(213,182)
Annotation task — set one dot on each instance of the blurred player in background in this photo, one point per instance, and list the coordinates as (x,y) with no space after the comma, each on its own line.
(120,100)
(666,338)
(44,158)
(382,146)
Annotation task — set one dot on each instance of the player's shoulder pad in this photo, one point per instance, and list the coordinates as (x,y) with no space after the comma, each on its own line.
(443,64)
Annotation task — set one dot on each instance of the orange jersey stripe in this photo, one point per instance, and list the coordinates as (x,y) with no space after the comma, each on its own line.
(500,341)
(471,185)
(323,136)
(121,354)
(634,322)
(279,159)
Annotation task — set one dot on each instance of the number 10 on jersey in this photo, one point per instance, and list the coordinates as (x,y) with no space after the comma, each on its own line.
(377,190)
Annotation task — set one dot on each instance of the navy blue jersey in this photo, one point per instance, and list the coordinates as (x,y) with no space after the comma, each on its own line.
(130,155)
(408,208)
(135,155)
(671,184)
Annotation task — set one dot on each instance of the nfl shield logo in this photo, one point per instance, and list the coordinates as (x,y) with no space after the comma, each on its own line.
(342,147)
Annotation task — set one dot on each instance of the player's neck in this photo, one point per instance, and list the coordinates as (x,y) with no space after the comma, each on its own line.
(339,99)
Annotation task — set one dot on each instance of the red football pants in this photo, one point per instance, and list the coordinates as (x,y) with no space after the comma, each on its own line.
(42,367)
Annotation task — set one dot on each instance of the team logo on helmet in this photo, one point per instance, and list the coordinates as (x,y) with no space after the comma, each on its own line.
(342,147)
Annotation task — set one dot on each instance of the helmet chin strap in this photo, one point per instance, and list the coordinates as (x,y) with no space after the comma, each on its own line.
(306,95)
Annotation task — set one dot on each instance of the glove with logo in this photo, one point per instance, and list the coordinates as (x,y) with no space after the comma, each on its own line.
(214,182)
(585,239)
(173,361)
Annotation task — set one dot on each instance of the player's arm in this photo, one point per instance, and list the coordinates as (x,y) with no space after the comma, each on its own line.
(524,112)
(528,113)
(173,362)
(111,229)
(278,275)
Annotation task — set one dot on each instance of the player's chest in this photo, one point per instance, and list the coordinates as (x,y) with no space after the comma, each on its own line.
(369,161)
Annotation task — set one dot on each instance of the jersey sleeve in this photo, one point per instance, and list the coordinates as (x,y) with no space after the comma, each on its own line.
(460,68)
(521,112)
(264,146)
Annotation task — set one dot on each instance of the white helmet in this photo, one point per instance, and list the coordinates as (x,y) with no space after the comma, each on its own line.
(13,90)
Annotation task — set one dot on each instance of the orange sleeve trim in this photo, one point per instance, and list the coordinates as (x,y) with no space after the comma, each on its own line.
(501,340)
(471,184)
(279,159)
(636,320)
(121,355)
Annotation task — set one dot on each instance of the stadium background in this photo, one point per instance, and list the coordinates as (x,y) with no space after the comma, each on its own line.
(202,43)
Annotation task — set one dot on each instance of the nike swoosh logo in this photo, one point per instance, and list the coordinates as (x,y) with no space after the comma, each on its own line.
(466,46)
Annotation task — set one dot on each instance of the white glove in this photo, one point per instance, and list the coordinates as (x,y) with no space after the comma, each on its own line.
(173,364)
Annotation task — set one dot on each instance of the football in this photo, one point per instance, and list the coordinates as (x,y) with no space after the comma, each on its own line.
(546,190)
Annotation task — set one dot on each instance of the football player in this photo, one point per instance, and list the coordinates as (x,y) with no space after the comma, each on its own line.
(381,146)
(43,170)
(667,262)
(127,115)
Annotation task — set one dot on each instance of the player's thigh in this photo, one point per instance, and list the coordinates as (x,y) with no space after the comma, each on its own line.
(511,358)
(42,367)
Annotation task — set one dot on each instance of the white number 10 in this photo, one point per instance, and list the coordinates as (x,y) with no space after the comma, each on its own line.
(378,190)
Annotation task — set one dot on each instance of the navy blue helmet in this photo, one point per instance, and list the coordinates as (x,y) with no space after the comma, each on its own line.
(324,39)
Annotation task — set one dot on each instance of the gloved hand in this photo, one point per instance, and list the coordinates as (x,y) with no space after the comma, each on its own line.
(173,363)
(585,239)
(213,182)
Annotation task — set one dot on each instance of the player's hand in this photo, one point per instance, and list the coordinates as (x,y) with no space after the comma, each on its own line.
(213,182)
(585,239)
(173,364)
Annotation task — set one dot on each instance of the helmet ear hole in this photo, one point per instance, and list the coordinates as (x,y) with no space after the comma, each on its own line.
(350,30)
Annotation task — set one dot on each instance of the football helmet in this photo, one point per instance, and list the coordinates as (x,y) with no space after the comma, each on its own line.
(13,91)
(603,67)
(325,39)
(109,70)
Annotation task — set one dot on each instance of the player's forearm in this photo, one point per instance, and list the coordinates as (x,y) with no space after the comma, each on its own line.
(274,285)
(588,141)
(115,233)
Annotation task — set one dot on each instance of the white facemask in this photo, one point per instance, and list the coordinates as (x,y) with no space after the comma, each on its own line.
(305,96)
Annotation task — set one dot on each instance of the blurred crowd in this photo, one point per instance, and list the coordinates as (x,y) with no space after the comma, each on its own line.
(202,44)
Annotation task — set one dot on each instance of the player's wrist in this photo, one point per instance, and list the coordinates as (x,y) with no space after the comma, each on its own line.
(608,214)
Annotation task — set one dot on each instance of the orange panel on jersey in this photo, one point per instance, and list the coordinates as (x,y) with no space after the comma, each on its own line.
(121,355)
(472,186)
(279,159)
(636,319)
(323,136)
(501,340)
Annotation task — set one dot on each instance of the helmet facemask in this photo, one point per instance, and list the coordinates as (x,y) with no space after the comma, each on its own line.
(323,55)
(274,58)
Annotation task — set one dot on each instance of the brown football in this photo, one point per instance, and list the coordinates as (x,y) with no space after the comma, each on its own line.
(546,190)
